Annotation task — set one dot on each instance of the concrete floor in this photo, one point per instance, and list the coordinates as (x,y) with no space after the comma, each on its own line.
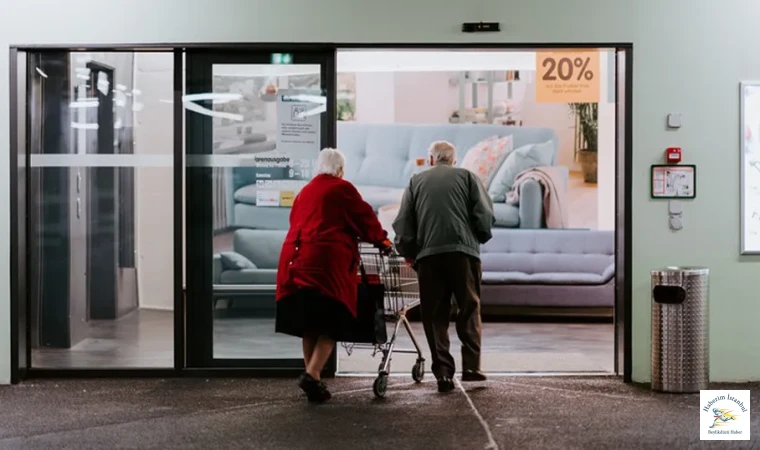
(509,347)
(145,338)
(505,413)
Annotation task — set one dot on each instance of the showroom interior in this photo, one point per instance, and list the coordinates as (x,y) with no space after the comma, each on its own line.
(152,242)
(679,68)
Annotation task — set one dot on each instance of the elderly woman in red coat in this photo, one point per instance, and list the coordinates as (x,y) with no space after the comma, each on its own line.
(317,273)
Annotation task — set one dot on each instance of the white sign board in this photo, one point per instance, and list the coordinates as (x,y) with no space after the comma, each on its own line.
(750,168)
(280,174)
(298,124)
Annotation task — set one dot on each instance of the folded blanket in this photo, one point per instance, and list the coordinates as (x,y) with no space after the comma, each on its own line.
(551,181)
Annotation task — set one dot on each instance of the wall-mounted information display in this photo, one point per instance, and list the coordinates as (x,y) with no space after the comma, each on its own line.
(750,167)
(674,182)
(280,175)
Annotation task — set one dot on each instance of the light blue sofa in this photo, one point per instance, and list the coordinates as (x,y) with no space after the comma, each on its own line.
(549,268)
(380,159)
(521,268)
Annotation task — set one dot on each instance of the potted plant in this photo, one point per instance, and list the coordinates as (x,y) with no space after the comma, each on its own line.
(586,132)
(345,111)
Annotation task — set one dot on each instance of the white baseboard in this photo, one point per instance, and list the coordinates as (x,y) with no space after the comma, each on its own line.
(156,308)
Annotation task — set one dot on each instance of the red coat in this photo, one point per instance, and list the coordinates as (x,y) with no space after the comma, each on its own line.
(321,252)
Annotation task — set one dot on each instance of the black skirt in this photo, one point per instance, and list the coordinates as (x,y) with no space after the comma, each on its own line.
(309,313)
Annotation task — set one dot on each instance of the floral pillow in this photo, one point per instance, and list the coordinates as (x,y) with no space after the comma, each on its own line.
(486,156)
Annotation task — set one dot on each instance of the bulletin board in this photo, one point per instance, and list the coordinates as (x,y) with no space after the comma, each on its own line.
(750,167)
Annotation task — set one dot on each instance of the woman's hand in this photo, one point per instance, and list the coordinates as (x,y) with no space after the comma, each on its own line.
(386,247)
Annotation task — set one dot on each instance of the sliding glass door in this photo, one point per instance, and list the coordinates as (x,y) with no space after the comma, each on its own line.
(255,123)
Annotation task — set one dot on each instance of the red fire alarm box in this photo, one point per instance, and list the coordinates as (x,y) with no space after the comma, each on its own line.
(673,154)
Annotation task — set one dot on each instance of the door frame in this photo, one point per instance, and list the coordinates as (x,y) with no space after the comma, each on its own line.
(199,200)
(19,164)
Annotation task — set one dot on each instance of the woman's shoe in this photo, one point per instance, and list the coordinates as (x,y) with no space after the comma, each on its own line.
(316,391)
(324,393)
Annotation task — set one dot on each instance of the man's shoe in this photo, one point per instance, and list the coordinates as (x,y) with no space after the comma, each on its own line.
(445,384)
(473,375)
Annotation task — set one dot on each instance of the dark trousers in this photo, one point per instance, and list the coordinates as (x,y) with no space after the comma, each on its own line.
(440,277)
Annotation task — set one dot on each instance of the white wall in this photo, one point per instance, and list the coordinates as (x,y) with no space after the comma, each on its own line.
(424,97)
(678,67)
(376,102)
(606,150)
(154,185)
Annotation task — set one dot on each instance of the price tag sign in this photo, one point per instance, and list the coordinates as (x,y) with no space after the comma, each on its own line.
(567,77)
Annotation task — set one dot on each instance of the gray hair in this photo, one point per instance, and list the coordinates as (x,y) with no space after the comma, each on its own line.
(443,153)
(330,162)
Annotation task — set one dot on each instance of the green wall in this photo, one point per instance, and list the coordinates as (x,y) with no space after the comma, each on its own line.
(689,58)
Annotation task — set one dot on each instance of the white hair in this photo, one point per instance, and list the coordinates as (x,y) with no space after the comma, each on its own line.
(443,153)
(330,162)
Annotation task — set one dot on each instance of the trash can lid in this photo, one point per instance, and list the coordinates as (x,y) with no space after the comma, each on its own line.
(686,270)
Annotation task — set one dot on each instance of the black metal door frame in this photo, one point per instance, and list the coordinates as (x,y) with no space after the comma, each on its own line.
(199,199)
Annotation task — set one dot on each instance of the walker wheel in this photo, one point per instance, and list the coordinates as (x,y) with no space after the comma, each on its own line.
(418,371)
(380,386)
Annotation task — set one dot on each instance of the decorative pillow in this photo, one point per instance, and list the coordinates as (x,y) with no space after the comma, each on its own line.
(481,159)
(235,261)
(522,159)
(504,146)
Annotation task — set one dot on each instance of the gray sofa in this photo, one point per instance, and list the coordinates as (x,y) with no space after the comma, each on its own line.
(521,268)
(549,268)
(380,159)
(261,248)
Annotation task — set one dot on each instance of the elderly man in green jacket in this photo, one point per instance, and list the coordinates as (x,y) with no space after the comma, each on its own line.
(444,217)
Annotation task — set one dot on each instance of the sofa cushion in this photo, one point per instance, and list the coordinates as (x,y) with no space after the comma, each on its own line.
(549,256)
(542,278)
(379,196)
(506,215)
(235,261)
(261,247)
(384,154)
(250,276)
(523,158)
(481,158)
(246,194)
(510,148)
(261,217)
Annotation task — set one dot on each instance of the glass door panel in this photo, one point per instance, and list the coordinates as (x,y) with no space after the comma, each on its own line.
(100,222)
(254,130)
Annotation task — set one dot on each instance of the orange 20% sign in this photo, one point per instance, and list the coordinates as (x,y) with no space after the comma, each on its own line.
(567,77)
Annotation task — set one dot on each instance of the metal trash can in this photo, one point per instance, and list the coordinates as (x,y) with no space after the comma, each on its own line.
(680,344)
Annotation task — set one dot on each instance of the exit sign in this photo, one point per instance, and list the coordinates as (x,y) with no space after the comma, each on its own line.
(282,58)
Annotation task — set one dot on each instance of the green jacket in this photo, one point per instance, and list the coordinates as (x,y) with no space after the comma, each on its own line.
(444,210)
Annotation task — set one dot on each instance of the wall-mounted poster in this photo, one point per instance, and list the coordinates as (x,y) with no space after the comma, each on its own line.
(750,167)
(674,182)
